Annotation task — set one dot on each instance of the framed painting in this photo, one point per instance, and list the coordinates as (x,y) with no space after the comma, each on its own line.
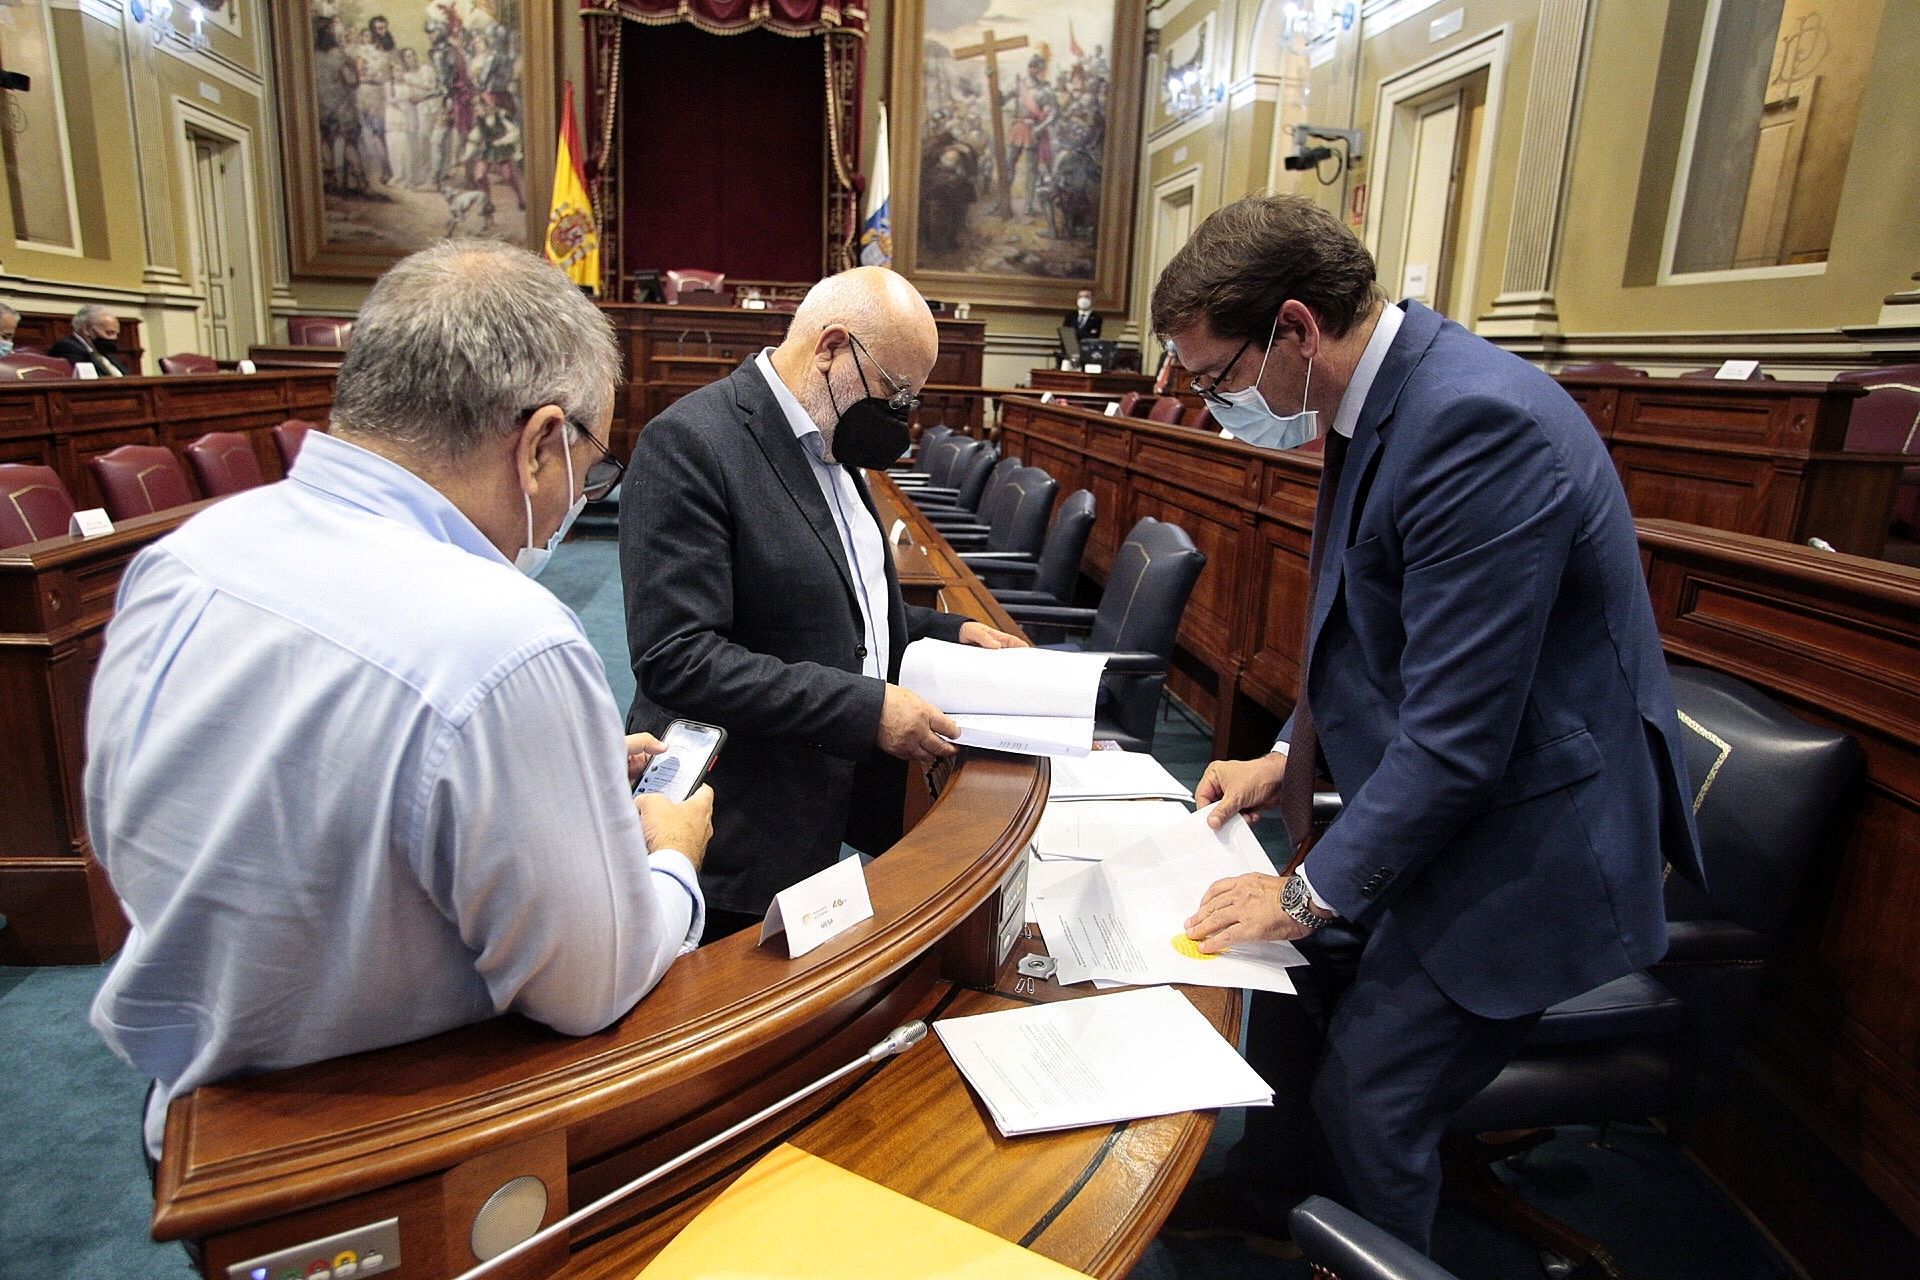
(404,122)
(1016,137)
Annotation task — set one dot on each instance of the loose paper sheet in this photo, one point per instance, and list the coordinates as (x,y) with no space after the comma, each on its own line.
(1100,1060)
(1031,701)
(1124,919)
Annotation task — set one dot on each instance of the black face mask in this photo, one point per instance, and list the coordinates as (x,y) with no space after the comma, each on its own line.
(873,431)
(106,346)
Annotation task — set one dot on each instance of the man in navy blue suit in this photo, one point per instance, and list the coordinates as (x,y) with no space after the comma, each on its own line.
(1484,686)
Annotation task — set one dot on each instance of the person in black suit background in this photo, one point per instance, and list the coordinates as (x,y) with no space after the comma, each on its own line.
(1083,319)
(95,340)
(761,594)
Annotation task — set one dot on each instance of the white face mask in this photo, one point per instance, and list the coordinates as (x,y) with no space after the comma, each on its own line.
(1084,303)
(530,559)
(1246,418)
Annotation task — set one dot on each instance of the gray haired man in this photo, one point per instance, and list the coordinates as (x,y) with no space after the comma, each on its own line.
(357,779)
(95,341)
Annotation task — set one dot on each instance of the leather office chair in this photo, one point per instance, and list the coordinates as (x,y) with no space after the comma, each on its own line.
(1135,625)
(1166,411)
(1135,405)
(688,284)
(26,364)
(954,520)
(139,479)
(33,504)
(969,473)
(1017,524)
(319,331)
(1662,1041)
(1887,420)
(288,437)
(1607,368)
(1200,418)
(1051,578)
(188,362)
(223,463)
(1342,1245)
(915,468)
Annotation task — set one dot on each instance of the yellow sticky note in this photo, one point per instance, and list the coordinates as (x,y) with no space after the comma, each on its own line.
(794,1216)
(1190,949)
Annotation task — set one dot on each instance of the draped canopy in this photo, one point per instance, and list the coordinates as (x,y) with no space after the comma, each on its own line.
(726,17)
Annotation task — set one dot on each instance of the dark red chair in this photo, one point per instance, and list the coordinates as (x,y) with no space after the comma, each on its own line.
(677,284)
(1605,368)
(188,362)
(1167,410)
(1199,418)
(1135,405)
(223,463)
(319,331)
(1887,420)
(140,479)
(33,504)
(25,364)
(289,436)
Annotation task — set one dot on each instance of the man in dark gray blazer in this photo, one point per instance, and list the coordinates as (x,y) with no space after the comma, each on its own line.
(1484,685)
(761,593)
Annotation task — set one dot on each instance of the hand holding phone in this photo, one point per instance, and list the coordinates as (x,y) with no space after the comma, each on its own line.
(677,771)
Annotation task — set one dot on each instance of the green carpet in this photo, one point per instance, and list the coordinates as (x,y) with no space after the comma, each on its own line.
(74,1198)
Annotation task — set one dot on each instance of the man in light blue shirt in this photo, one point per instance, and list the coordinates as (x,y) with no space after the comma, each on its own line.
(355,779)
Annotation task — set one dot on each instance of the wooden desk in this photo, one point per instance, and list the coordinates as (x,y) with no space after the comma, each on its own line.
(672,350)
(1111,383)
(267,356)
(427,1131)
(1765,458)
(56,598)
(62,423)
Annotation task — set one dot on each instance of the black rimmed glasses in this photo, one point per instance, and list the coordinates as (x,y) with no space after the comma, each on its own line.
(1211,392)
(602,476)
(900,396)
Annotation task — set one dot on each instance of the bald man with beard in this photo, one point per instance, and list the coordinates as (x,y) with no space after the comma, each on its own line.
(761,594)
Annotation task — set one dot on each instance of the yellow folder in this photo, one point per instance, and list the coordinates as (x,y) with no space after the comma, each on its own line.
(794,1216)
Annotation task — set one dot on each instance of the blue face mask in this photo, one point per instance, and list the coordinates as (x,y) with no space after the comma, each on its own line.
(531,559)
(6,346)
(1245,416)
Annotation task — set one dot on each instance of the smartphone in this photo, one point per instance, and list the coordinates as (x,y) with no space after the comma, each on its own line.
(677,772)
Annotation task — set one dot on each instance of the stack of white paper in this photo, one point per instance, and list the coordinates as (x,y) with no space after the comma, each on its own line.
(1114,775)
(1089,830)
(1100,1060)
(1124,919)
(1037,702)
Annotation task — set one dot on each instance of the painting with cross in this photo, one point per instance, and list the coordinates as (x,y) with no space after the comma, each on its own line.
(1012,146)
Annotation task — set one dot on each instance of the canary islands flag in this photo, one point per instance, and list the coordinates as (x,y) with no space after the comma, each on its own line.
(573,241)
(876,233)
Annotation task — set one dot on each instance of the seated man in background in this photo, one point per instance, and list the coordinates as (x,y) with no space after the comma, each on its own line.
(355,779)
(761,594)
(95,341)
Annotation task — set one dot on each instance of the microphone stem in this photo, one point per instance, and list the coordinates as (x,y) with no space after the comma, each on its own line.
(893,1044)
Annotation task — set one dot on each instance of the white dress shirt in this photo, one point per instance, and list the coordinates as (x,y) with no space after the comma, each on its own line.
(1345,419)
(860,538)
(357,781)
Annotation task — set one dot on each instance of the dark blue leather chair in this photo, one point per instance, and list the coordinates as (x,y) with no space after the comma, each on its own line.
(1051,577)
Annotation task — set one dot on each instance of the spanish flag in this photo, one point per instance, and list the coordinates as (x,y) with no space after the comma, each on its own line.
(573,241)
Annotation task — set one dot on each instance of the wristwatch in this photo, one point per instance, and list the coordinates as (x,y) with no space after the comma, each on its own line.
(1295,901)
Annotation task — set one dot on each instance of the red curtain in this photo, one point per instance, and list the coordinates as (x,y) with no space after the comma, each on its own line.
(726,17)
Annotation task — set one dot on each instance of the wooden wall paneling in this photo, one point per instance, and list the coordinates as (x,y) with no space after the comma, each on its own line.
(1710,489)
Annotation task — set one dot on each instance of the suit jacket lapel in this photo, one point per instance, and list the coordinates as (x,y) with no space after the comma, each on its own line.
(761,415)
(1416,334)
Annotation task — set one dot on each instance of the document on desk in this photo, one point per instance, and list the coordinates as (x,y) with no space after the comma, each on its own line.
(1088,831)
(1114,775)
(793,1214)
(1100,1060)
(1036,702)
(1124,919)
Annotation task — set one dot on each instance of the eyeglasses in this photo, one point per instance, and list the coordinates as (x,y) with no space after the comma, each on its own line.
(603,476)
(1211,392)
(901,396)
